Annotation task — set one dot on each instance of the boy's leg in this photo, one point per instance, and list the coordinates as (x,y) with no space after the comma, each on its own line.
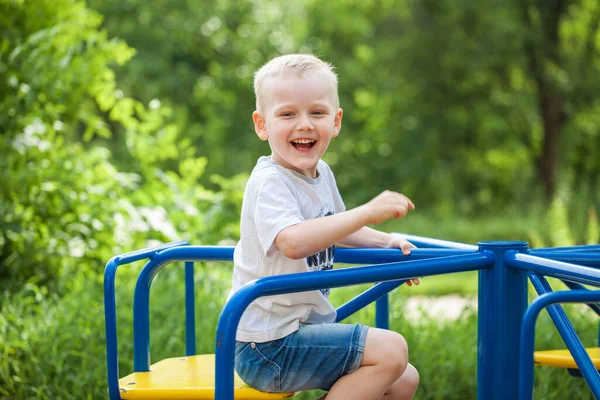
(381,372)
(405,386)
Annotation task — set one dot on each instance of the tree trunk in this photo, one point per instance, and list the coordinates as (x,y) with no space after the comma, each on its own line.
(543,51)
(551,110)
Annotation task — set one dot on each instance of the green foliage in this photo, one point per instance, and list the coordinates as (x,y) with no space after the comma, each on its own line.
(53,189)
(440,98)
(66,203)
(71,364)
(52,346)
(593,228)
(563,228)
(560,234)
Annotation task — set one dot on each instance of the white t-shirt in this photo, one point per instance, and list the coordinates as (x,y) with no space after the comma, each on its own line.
(275,198)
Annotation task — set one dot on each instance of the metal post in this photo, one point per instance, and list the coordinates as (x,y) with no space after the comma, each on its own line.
(382,306)
(190,310)
(502,305)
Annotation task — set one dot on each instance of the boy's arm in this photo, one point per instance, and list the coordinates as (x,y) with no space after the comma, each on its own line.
(367,237)
(312,236)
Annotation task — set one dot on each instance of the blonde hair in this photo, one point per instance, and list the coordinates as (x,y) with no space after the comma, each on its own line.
(299,64)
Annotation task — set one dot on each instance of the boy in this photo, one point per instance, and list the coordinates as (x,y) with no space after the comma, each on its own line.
(292,215)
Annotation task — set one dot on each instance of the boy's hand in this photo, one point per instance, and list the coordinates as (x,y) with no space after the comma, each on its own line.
(397,241)
(387,205)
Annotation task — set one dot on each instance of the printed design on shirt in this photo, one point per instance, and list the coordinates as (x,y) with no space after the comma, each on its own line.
(322,260)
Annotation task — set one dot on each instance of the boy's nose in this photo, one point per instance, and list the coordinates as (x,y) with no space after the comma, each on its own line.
(304,123)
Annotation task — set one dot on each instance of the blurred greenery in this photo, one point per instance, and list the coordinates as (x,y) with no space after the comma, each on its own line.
(124,123)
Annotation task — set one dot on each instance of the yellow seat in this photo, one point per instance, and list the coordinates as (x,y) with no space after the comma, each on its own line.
(563,358)
(185,378)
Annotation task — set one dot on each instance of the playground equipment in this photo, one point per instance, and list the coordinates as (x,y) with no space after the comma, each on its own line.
(505,321)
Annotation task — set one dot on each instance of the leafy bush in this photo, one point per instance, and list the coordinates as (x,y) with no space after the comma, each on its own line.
(88,172)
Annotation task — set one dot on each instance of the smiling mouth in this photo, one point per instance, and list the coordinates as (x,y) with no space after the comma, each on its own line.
(303,144)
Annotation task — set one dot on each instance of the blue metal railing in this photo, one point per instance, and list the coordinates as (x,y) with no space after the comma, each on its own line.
(567,333)
(110,312)
(141,310)
(555,269)
(564,326)
(505,321)
(538,267)
(181,251)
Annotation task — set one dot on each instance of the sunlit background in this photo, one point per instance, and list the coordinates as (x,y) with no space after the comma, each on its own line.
(126,123)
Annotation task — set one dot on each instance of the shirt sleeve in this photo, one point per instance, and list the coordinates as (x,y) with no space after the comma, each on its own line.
(276,208)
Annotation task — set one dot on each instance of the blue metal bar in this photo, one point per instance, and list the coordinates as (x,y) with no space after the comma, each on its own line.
(555,269)
(141,297)
(581,258)
(190,310)
(426,242)
(577,286)
(585,247)
(382,310)
(502,304)
(273,285)
(143,254)
(110,310)
(366,298)
(110,325)
(380,256)
(347,255)
(575,346)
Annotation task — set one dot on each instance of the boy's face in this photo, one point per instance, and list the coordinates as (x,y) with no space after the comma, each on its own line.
(299,118)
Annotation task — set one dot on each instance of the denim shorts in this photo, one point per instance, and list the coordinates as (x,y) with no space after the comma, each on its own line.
(313,357)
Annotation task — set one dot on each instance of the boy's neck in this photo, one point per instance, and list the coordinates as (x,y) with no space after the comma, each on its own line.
(293,170)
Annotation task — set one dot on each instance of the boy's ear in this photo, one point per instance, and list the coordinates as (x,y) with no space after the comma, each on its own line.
(260,126)
(337,122)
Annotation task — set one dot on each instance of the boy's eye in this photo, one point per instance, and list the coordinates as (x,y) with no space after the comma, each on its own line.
(287,114)
(319,112)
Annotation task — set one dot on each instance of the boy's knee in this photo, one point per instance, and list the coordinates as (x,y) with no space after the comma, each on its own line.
(396,355)
(386,349)
(412,376)
(406,386)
